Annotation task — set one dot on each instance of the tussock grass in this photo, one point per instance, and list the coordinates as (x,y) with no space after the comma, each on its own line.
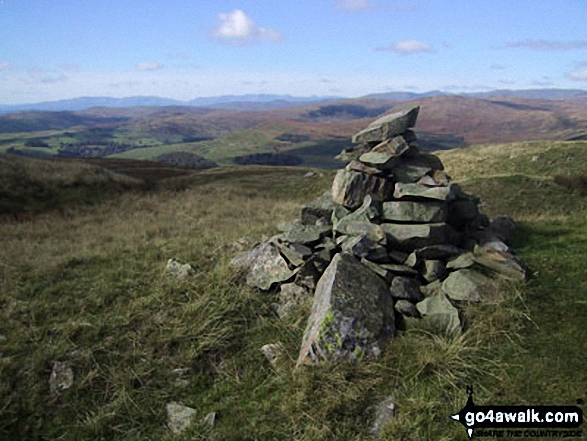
(87,287)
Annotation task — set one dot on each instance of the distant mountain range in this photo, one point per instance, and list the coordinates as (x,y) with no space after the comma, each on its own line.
(272,101)
(244,102)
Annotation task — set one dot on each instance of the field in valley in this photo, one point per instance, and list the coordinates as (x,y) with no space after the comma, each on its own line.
(82,282)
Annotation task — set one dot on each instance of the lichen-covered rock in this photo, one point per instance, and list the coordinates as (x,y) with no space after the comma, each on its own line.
(272,352)
(305,234)
(290,296)
(412,236)
(469,285)
(388,126)
(414,212)
(61,377)
(440,314)
(178,270)
(179,417)
(267,267)
(352,313)
(349,188)
(444,193)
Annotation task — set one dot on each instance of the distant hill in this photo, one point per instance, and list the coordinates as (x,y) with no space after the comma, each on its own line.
(258,101)
(274,101)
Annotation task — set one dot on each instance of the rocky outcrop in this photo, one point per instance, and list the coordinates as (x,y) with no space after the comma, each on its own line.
(394,243)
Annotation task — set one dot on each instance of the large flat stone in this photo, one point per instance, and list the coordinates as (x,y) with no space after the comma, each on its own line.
(407,211)
(504,264)
(469,285)
(352,313)
(388,126)
(446,193)
(412,236)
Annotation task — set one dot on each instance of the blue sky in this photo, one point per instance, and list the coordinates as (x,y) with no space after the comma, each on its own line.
(56,49)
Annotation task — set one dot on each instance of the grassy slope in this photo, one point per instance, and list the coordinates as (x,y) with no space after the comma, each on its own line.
(88,288)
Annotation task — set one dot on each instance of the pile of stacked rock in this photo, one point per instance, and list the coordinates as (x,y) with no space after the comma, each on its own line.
(393,242)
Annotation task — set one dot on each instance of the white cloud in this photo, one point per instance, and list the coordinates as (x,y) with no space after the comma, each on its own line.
(149,66)
(353,5)
(407,47)
(238,28)
(577,75)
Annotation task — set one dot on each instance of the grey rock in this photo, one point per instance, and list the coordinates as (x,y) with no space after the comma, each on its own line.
(267,267)
(445,193)
(388,126)
(353,154)
(307,275)
(384,414)
(372,231)
(351,316)
(178,270)
(465,260)
(413,260)
(406,288)
(305,234)
(209,420)
(368,211)
(432,288)
(463,212)
(319,208)
(442,251)
(389,270)
(503,227)
(406,308)
(504,264)
(434,270)
(295,253)
(349,188)
(414,212)
(363,168)
(363,246)
(414,168)
(469,285)
(179,417)
(290,296)
(440,314)
(386,154)
(272,353)
(414,236)
(61,378)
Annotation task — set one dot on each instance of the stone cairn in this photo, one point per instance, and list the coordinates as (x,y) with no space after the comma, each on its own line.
(393,242)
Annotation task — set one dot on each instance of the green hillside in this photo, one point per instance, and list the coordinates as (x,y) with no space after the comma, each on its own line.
(86,286)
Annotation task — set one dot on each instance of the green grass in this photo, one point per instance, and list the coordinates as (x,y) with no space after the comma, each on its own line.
(87,287)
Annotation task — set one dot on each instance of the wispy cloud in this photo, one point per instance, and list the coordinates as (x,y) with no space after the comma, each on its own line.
(237,28)
(497,66)
(39,75)
(577,75)
(547,45)
(147,66)
(407,47)
(4,66)
(353,5)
